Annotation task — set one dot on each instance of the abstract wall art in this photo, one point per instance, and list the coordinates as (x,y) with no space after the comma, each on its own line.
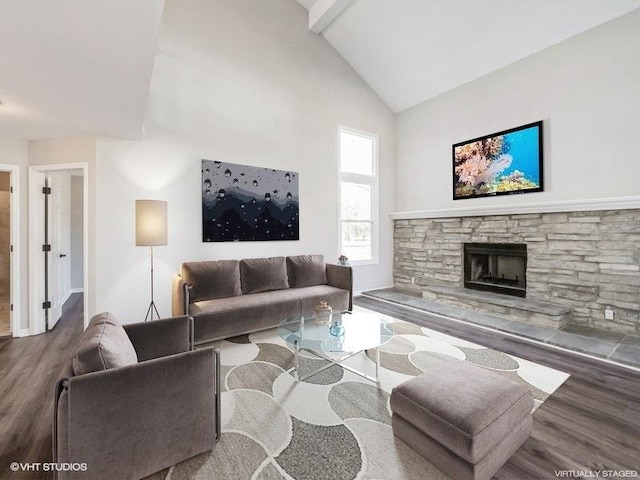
(246,203)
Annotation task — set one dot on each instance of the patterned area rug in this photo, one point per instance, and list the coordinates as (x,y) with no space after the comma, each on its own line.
(334,425)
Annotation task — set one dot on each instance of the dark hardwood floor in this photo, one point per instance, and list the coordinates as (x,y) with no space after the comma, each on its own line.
(591,423)
(29,368)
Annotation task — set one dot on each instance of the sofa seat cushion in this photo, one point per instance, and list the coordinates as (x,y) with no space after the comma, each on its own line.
(103,345)
(263,274)
(464,407)
(306,270)
(310,297)
(210,280)
(225,317)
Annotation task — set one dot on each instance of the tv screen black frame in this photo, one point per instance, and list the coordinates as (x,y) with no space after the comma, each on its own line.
(456,183)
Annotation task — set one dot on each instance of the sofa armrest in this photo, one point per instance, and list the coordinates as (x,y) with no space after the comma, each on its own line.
(133,421)
(179,296)
(341,276)
(160,338)
(60,388)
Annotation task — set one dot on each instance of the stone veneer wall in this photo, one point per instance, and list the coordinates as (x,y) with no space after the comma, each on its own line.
(584,260)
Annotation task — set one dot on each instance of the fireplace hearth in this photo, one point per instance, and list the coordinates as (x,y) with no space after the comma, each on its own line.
(496,267)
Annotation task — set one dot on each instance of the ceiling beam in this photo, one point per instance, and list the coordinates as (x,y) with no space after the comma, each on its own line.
(323,12)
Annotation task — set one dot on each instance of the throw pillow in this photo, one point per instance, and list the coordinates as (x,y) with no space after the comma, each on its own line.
(263,274)
(306,270)
(210,280)
(103,345)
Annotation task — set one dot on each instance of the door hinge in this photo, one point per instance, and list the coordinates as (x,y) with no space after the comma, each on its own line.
(46,190)
(46,305)
(46,248)
(11,248)
(10,189)
(11,307)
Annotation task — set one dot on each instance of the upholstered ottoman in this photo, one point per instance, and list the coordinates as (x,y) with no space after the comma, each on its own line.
(465,420)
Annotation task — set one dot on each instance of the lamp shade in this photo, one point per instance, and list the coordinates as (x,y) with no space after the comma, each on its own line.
(151,223)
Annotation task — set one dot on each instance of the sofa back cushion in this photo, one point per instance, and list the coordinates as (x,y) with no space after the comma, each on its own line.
(306,270)
(103,345)
(211,280)
(263,274)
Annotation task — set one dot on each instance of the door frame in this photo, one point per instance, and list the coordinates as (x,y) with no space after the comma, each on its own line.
(15,225)
(36,234)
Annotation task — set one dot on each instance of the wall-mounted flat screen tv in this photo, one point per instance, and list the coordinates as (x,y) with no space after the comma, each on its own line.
(503,163)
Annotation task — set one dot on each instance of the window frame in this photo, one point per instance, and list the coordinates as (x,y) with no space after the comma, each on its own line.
(371,180)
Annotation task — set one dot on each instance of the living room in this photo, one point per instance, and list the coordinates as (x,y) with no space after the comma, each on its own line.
(248,83)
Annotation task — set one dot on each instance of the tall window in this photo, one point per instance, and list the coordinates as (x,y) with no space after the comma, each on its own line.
(358,195)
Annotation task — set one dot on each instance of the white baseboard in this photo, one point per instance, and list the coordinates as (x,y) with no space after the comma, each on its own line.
(77,290)
(66,297)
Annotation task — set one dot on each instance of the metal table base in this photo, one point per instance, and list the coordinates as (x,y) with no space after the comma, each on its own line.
(296,365)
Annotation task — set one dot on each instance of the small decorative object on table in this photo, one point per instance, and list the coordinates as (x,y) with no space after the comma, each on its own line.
(333,344)
(323,313)
(337,329)
(343,260)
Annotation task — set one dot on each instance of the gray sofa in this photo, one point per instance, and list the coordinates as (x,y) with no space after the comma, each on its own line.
(134,400)
(233,297)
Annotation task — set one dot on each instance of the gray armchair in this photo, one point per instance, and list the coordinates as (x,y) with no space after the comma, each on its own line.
(128,419)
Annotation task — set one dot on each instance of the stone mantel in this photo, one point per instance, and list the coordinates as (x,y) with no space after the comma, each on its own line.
(596,204)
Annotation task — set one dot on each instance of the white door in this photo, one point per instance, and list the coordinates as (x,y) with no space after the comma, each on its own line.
(59,237)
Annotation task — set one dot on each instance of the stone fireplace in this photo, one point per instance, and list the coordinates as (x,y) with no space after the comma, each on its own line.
(496,267)
(587,261)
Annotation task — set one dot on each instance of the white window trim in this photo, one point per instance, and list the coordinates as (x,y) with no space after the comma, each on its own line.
(372,180)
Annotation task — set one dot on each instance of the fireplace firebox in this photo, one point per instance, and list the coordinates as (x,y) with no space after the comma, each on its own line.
(496,267)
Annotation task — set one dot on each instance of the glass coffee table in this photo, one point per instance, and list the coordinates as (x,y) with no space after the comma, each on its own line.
(361,331)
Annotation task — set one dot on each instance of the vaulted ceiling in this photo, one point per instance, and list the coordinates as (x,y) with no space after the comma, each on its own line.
(76,66)
(84,66)
(413,50)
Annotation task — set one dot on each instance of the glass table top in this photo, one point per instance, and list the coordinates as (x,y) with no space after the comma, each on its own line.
(362,331)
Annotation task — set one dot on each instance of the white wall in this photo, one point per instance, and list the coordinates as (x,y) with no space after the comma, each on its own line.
(242,82)
(15,152)
(586,90)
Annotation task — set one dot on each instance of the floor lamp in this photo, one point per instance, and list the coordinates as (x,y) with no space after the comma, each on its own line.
(151,231)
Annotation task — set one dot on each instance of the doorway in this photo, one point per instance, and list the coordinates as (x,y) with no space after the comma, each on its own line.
(5,254)
(58,241)
(10,251)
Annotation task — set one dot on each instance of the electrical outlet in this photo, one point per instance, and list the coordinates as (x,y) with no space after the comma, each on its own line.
(413,279)
(609,314)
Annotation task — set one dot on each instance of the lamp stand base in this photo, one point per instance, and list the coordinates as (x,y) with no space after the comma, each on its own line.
(152,308)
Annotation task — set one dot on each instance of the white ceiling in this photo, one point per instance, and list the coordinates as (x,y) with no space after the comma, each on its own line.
(413,50)
(84,66)
(76,66)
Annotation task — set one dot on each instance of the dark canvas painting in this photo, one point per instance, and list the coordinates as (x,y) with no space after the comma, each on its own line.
(245,203)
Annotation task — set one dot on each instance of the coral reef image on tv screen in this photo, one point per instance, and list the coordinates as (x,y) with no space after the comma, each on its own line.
(245,203)
(502,163)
